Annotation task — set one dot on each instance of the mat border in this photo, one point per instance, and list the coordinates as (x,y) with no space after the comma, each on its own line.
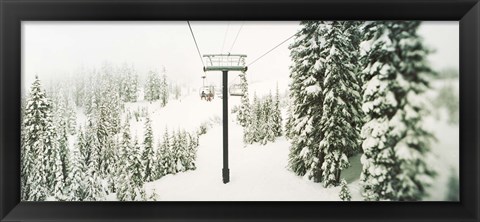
(12,12)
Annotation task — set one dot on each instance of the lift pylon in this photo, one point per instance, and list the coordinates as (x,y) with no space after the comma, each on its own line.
(225,63)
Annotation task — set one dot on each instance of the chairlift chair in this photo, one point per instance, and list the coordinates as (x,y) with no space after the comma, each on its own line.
(236,90)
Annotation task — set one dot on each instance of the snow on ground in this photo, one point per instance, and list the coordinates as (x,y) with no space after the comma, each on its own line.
(256,173)
(260,172)
(186,113)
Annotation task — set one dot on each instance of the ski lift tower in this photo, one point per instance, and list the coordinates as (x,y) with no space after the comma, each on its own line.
(225,63)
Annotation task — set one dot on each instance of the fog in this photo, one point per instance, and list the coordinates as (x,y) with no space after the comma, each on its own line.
(53,49)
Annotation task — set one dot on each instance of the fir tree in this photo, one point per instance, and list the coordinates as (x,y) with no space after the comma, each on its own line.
(124,176)
(77,175)
(38,161)
(136,165)
(128,84)
(277,115)
(395,144)
(307,74)
(148,153)
(341,117)
(244,111)
(250,132)
(266,121)
(345,192)
(134,177)
(164,93)
(167,160)
(61,165)
(63,151)
(289,132)
(152,87)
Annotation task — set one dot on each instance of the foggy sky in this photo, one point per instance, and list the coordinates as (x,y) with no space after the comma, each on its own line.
(52,49)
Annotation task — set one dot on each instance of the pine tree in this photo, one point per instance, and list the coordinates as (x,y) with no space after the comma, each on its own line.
(124,175)
(345,192)
(134,176)
(289,132)
(148,153)
(244,111)
(341,117)
(77,175)
(395,144)
(167,160)
(192,151)
(64,151)
(250,132)
(136,165)
(277,115)
(61,165)
(266,121)
(94,186)
(164,93)
(152,87)
(177,152)
(37,173)
(307,74)
(128,84)
(71,117)
(104,137)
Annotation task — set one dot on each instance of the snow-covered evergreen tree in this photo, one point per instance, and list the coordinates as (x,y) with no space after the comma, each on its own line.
(243,114)
(78,173)
(37,173)
(306,87)
(267,124)
(395,144)
(152,86)
(192,151)
(177,152)
(167,161)
(105,144)
(124,176)
(344,191)
(148,153)
(128,84)
(342,116)
(133,176)
(277,115)
(62,163)
(71,117)
(289,131)
(250,132)
(164,91)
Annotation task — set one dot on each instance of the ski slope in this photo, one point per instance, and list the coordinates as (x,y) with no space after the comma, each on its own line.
(256,172)
(260,173)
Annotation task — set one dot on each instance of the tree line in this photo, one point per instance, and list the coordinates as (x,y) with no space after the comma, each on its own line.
(356,88)
(104,159)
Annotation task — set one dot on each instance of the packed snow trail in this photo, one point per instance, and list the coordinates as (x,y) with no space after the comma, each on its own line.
(256,173)
(259,172)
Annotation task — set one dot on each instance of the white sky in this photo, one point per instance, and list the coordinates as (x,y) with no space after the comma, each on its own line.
(52,49)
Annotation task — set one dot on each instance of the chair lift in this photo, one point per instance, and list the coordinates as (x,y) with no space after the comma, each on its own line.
(236,89)
(204,90)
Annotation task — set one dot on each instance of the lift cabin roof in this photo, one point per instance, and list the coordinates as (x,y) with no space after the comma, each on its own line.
(225,62)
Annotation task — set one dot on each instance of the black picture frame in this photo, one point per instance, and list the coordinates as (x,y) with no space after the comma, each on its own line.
(12,12)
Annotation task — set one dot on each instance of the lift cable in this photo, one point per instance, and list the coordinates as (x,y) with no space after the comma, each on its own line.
(281,43)
(234,41)
(196,44)
(225,36)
